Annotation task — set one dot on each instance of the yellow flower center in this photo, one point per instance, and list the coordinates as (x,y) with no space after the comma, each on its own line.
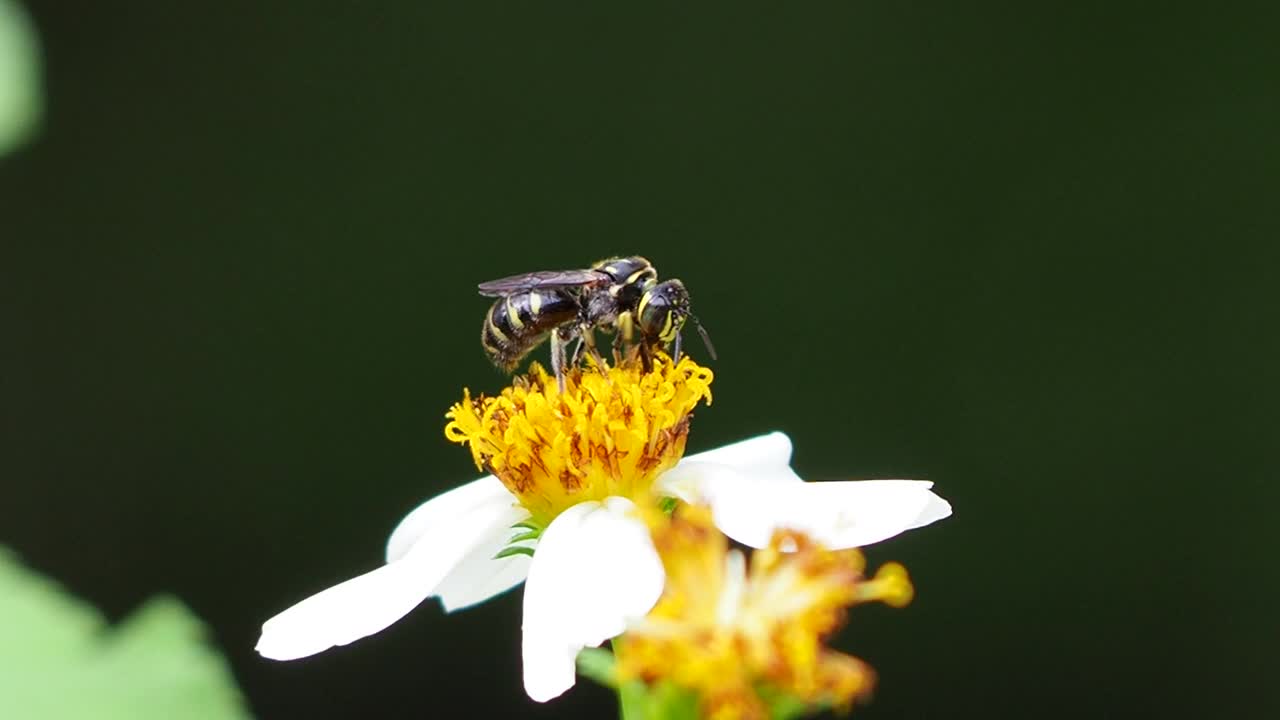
(726,630)
(610,433)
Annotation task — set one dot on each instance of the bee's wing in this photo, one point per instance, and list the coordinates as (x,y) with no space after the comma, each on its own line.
(542,279)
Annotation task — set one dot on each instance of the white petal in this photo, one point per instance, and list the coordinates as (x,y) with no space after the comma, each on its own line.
(763,451)
(444,508)
(838,514)
(766,457)
(594,569)
(369,603)
(478,576)
(936,509)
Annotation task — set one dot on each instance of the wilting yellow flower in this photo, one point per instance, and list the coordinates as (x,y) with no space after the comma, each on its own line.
(569,470)
(727,631)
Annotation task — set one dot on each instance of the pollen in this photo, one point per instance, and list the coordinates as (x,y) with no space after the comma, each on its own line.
(610,433)
(735,633)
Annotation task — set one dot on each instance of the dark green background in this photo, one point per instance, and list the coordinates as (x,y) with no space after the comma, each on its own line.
(1026,250)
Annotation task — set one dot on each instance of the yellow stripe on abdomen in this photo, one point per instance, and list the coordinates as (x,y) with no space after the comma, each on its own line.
(497,333)
(513,315)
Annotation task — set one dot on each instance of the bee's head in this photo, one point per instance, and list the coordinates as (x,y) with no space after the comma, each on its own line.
(663,310)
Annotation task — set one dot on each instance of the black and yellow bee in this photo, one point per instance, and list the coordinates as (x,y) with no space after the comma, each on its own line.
(620,295)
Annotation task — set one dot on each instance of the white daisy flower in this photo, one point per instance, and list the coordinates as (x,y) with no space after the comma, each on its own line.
(569,470)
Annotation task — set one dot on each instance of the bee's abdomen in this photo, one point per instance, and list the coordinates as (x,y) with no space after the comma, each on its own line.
(517,324)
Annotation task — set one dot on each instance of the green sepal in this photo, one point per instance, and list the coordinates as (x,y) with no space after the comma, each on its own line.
(598,664)
(511,550)
(785,706)
(527,525)
(530,535)
(663,701)
(633,701)
(667,701)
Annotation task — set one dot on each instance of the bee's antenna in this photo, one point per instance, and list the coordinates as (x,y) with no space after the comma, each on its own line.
(706,338)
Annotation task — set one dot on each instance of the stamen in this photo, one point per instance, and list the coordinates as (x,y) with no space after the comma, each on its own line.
(611,432)
(735,586)
(891,586)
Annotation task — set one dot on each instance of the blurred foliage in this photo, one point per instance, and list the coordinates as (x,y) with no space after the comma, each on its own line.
(20,103)
(59,659)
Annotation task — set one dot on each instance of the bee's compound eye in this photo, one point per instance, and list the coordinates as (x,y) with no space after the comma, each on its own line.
(663,310)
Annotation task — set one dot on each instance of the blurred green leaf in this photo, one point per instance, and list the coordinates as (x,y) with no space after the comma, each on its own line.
(20,103)
(59,659)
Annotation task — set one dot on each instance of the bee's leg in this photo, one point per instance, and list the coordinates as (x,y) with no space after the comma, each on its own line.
(558,343)
(589,340)
(576,356)
(676,357)
(617,350)
(646,356)
(624,338)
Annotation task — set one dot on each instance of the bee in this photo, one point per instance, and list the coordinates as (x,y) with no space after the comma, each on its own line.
(621,295)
